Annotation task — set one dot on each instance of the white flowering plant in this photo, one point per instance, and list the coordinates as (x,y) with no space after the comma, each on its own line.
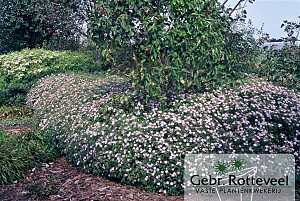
(145,146)
(19,70)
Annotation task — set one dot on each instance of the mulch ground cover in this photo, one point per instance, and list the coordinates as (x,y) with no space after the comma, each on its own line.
(75,185)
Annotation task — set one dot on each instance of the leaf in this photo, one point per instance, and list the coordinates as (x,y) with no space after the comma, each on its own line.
(185,70)
(182,80)
(104,52)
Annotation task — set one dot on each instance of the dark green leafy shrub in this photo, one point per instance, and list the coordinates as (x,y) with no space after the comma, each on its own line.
(56,24)
(15,94)
(168,45)
(281,66)
(59,43)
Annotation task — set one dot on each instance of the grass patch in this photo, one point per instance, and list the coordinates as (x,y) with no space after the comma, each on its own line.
(8,113)
(20,153)
(13,115)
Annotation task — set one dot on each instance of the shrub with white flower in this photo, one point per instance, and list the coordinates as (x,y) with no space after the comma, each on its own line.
(29,63)
(92,121)
(19,70)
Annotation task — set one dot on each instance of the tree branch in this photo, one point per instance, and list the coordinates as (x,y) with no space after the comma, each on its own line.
(223,4)
(240,1)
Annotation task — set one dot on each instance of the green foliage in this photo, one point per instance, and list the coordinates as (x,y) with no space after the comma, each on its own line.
(20,153)
(58,43)
(17,121)
(168,45)
(292,29)
(15,93)
(11,116)
(17,26)
(281,66)
(39,191)
(8,113)
(56,24)
(242,44)
(20,70)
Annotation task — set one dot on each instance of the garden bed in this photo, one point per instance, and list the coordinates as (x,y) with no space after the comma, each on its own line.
(103,128)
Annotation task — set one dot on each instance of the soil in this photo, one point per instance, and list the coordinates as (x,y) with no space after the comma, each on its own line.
(75,185)
(16,129)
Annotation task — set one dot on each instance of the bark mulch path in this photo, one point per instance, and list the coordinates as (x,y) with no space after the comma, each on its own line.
(75,185)
(16,129)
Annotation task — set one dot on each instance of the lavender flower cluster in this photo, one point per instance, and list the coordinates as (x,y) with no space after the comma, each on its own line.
(146,148)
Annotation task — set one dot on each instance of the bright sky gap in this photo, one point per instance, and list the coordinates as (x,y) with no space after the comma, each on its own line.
(270,14)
